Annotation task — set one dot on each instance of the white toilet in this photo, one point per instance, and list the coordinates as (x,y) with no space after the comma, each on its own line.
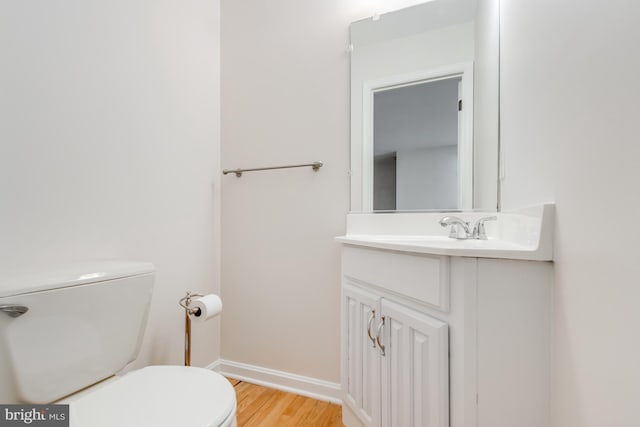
(64,336)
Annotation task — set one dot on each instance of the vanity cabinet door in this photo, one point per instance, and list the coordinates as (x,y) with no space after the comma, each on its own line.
(415,371)
(360,359)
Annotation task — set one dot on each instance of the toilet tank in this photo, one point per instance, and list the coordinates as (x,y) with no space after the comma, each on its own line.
(83,324)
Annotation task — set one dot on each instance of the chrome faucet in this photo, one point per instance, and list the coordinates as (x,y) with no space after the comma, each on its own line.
(460,229)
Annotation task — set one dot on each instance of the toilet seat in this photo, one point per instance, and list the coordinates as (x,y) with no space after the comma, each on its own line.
(158,396)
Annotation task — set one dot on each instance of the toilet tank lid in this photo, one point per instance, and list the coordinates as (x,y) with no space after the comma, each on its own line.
(23,282)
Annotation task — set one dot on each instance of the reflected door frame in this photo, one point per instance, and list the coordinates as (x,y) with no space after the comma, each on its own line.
(465,126)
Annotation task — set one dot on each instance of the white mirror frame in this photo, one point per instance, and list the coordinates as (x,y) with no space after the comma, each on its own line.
(465,127)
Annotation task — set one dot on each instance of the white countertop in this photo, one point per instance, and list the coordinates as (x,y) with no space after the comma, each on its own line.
(525,234)
(439,245)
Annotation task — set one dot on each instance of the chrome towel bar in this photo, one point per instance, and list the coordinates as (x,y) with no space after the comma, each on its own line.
(238,172)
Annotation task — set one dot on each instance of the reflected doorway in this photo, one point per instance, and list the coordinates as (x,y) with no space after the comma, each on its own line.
(416,141)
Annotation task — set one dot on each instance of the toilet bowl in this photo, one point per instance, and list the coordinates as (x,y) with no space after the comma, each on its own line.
(159,396)
(69,336)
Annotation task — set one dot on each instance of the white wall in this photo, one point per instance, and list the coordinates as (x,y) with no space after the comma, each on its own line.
(427,178)
(109,147)
(285,86)
(569,93)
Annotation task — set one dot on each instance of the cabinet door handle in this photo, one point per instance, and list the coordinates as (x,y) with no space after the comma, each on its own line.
(378,335)
(373,340)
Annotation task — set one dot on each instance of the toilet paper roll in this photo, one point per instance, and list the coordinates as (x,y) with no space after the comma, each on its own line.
(206,307)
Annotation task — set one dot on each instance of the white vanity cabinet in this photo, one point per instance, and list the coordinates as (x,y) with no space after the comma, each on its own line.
(361,360)
(438,341)
(397,359)
(415,368)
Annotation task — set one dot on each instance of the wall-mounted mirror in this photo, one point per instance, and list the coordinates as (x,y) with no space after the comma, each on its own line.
(425,108)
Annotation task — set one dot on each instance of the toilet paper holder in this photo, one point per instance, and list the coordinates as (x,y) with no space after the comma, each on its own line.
(185,302)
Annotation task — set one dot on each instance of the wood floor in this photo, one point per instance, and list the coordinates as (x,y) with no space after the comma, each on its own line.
(265,407)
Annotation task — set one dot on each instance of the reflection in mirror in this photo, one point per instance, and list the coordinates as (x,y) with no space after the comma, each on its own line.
(426,119)
(424,108)
(415,146)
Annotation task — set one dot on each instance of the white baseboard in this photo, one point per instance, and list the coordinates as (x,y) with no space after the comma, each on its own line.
(279,380)
(215,366)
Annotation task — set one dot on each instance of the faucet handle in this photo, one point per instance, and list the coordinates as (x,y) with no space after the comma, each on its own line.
(479,232)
